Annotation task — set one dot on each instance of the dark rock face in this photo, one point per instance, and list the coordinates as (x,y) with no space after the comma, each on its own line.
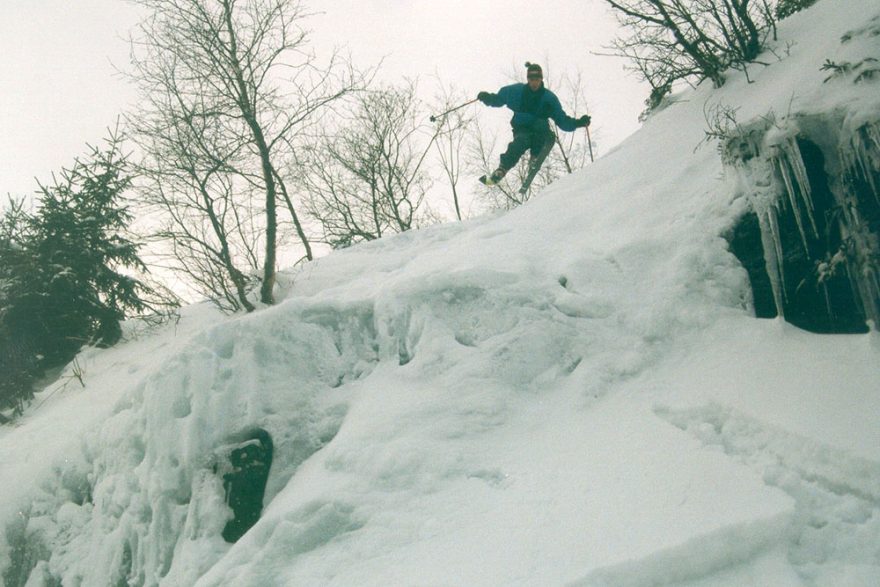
(745,243)
(244,478)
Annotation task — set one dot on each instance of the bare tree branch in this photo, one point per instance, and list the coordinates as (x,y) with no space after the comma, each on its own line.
(227,87)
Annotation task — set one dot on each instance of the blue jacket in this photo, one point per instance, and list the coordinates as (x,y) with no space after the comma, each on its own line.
(531,113)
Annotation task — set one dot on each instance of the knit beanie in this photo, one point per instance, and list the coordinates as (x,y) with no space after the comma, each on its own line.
(533,68)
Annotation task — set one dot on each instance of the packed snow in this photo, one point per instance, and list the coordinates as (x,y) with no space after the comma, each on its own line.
(572,393)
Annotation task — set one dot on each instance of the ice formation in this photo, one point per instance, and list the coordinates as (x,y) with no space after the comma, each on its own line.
(812,179)
(820,223)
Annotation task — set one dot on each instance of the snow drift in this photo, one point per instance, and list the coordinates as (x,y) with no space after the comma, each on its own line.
(574,393)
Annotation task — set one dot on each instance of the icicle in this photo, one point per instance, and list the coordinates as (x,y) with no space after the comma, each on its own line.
(868,286)
(862,149)
(773,257)
(796,160)
(782,165)
(791,166)
(871,288)
(860,156)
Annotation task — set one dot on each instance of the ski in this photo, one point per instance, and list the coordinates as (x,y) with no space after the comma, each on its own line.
(535,166)
(527,182)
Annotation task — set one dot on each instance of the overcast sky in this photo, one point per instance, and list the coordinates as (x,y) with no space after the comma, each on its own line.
(60,89)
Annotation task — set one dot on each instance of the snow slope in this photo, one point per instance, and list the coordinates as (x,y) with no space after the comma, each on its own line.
(572,393)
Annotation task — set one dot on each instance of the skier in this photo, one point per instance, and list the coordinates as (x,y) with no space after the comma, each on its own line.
(532,105)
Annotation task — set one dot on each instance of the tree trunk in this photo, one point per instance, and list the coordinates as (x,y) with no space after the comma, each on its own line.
(250,116)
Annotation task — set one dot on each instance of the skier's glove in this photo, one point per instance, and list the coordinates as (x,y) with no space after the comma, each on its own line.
(583,121)
(485,97)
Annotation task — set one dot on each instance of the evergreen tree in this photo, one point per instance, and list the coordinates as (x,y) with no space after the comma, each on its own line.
(17,359)
(64,282)
(786,8)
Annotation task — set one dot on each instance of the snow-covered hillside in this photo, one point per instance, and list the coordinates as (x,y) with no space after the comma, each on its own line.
(573,393)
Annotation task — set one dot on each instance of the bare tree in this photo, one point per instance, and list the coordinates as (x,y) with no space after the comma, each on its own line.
(188,182)
(572,152)
(369,179)
(670,40)
(226,87)
(452,137)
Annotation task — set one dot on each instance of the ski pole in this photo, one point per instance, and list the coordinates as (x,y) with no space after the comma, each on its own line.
(589,143)
(441,115)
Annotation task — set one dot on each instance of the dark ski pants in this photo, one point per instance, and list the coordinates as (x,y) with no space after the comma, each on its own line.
(525,139)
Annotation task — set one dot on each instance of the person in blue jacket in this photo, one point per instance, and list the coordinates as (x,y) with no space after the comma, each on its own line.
(532,106)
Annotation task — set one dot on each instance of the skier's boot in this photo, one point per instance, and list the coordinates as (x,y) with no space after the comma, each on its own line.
(494,177)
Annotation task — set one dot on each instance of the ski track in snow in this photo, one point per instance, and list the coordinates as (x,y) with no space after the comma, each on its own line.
(836,495)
